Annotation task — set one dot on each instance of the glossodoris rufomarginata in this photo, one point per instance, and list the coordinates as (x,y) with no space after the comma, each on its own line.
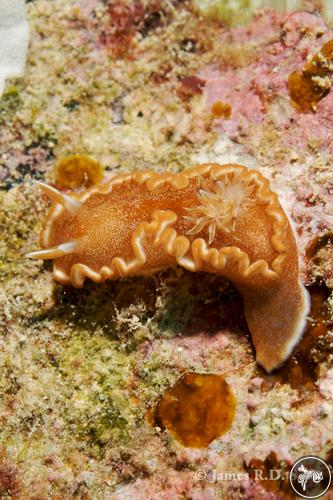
(211,218)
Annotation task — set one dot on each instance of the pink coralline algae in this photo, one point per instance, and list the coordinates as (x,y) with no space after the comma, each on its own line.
(258,91)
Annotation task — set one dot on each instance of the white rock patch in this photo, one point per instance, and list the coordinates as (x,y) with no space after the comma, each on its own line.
(14,37)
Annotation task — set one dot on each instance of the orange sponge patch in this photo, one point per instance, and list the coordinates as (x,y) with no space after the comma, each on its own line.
(78,171)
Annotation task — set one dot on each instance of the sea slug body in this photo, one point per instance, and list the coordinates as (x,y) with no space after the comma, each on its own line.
(212,218)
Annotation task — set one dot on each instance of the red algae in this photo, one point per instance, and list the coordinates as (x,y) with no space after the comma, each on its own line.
(78,171)
(126,21)
(191,85)
(10,478)
(308,86)
(197,410)
(123,21)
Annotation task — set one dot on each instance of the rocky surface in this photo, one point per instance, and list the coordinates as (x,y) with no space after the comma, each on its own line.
(132,85)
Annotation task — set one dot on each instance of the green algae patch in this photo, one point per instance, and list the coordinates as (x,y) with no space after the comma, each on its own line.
(230,12)
(99,408)
(10,102)
(18,212)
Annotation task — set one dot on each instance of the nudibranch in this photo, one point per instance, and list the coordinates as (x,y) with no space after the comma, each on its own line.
(212,218)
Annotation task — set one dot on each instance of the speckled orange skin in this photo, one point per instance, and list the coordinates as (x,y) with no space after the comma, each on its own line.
(136,224)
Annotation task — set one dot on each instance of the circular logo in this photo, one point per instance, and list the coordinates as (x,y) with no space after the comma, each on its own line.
(310,477)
